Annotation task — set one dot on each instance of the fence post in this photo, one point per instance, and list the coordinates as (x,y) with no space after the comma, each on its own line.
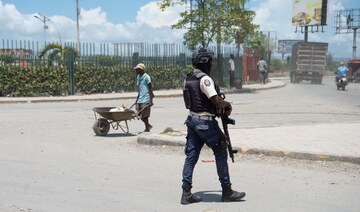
(70,57)
(182,60)
(239,69)
(135,59)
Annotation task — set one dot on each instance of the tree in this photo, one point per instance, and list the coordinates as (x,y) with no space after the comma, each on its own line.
(213,21)
(331,64)
(258,41)
(246,31)
(57,52)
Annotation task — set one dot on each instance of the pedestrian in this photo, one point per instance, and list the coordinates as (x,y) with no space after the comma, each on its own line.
(232,70)
(144,100)
(261,65)
(202,98)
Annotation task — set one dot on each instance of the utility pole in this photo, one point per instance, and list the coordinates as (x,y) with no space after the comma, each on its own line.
(71,58)
(354,43)
(43,19)
(77,26)
(271,41)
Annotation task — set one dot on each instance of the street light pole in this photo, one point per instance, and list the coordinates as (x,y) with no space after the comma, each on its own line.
(43,19)
(77,26)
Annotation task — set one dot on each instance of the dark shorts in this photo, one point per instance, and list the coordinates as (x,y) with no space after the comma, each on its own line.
(145,113)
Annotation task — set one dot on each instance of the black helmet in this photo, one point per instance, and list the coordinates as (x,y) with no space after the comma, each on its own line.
(201,56)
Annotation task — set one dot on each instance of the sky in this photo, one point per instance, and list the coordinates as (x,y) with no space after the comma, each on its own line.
(141,21)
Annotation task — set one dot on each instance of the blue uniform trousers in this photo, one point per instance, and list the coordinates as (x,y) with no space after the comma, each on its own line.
(200,132)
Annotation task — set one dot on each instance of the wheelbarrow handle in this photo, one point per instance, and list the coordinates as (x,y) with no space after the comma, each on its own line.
(138,112)
(143,108)
(132,105)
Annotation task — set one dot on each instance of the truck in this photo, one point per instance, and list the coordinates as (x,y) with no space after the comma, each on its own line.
(354,70)
(308,62)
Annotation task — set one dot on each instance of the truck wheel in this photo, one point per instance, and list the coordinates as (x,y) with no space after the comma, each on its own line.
(101,127)
(357,79)
(292,78)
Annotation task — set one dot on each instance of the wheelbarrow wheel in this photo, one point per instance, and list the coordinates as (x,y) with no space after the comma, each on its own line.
(101,127)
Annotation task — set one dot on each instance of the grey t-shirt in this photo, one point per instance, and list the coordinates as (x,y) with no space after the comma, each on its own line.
(262,64)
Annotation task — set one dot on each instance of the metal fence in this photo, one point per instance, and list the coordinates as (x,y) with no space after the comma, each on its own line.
(96,58)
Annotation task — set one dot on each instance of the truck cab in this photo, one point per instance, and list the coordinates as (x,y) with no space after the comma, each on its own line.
(354,68)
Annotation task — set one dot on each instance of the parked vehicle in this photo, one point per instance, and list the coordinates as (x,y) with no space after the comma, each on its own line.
(308,62)
(354,70)
(342,82)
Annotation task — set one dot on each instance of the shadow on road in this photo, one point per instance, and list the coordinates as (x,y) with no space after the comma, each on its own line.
(211,196)
(114,135)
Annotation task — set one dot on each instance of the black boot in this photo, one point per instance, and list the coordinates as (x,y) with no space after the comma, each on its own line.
(229,195)
(187,197)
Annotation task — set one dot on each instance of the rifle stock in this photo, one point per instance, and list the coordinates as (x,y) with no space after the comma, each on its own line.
(225,121)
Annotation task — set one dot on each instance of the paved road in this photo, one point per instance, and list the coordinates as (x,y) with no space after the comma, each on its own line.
(86,173)
(315,117)
(302,121)
(50,160)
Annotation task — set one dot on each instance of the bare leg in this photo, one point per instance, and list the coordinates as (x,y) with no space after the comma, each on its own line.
(147,124)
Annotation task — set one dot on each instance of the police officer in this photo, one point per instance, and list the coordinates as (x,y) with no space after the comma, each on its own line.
(202,98)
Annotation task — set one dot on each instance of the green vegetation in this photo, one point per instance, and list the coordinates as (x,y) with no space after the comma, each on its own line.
(220,21)
(7,59)
(57,53)
(331,64)
(214,21)
(32,81)
(54,80)
(168,130)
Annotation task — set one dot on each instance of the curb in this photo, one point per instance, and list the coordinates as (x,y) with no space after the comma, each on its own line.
(177,93)
(300,155)
(148,140)
(251,89)
(156,139)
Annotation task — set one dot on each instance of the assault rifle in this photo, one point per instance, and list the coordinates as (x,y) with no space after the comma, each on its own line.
(225,121)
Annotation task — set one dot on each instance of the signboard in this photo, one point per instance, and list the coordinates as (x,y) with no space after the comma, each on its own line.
(346,21)
(285,46)
(309,12)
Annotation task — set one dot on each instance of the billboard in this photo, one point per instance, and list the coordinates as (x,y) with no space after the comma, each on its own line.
(309,12)
(285,46)
(346,21)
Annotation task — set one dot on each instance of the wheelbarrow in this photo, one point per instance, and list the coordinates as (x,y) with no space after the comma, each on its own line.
(115,117)
(110,116)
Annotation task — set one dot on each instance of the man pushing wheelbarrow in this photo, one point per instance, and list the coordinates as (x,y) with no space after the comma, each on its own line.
(144,100)
(117,117)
